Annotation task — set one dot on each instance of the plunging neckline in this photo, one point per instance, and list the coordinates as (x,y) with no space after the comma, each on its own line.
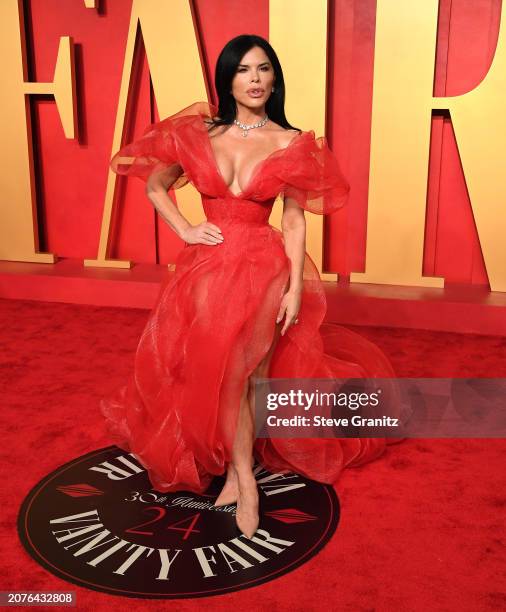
(256,167)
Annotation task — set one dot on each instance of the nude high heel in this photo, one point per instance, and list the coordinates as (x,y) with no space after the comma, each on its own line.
(230,491)
(227,496)
(246,514)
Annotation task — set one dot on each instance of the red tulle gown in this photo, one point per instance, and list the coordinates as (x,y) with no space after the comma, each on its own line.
(214,319)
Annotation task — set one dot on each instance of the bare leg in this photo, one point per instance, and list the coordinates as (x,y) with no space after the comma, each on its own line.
(242,455)
(230,491)
(246,515)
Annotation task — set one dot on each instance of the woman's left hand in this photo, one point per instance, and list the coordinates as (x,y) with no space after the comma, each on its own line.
(290,305)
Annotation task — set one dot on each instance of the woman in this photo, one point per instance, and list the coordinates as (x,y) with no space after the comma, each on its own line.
(245,301)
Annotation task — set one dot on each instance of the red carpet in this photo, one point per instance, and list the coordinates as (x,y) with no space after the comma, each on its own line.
(422,528)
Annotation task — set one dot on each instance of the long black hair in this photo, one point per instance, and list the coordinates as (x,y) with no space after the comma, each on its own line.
(226,67)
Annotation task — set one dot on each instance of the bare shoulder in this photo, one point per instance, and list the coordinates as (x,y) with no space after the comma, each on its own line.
(283,135)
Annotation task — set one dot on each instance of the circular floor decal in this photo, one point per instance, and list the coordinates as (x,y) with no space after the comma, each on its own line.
(97,522)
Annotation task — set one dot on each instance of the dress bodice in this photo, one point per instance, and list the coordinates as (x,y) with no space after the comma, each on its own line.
(305,170)
(251,212)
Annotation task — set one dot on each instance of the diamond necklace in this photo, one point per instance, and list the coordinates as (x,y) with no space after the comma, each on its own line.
(245,128)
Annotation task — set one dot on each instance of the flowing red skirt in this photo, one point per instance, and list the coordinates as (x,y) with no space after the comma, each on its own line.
(213,322)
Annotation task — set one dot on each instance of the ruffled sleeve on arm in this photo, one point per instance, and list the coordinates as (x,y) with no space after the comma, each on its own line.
(154,150)
(312,176)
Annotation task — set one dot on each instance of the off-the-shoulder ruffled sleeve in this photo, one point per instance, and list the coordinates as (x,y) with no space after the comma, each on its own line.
(157,147)
(312,176)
